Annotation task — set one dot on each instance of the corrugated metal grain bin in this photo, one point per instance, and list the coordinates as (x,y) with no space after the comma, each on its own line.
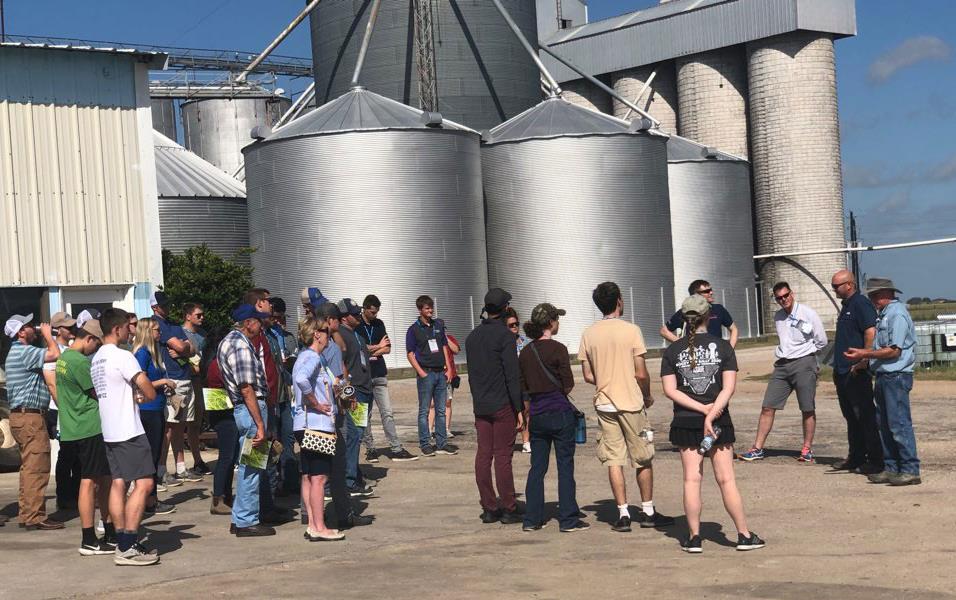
(366,195)
(198,203)
(575,197)
(712,227)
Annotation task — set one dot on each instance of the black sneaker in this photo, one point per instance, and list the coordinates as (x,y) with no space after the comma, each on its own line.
(428,451)
(692,545)
(360,491)
(175,479)
(490,516)
(579,526)
(371,456)
(192,475)
(655,520)
(749,543)
(255,531)
(623,524)
(538,527)
(356,521)
(450,449)
(276,516)
(160,508)
(510,517)
(201,468)
(97,548)
(403,455)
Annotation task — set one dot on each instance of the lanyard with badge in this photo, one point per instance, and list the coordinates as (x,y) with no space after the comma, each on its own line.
(362,349)
(369,331)
(433,341)
(801,325)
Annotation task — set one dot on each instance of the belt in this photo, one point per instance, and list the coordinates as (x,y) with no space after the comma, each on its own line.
(783,361)
(29,411)
(437,369)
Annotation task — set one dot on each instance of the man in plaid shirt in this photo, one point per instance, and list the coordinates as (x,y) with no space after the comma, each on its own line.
(245,380)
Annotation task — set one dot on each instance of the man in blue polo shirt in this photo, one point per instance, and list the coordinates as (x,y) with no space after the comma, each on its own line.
(892,358)
(719,317)
(856,328)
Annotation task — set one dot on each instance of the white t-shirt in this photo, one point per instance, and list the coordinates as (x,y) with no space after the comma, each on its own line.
(113,371)
(51,366)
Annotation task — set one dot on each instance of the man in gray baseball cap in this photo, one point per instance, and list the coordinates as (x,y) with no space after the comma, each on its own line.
(892,358)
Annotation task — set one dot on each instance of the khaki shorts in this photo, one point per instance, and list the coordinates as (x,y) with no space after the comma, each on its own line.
(621,439)
(181,406)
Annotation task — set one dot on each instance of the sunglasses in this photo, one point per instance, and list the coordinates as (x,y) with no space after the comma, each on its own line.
(133,323)
(782,298)
(837,286)
(200,315)
(707,291)
(513,325)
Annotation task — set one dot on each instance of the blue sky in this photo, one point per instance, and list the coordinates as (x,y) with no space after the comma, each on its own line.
(897,91)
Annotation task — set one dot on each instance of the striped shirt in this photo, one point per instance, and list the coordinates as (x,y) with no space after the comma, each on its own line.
(239,365)
(25,385)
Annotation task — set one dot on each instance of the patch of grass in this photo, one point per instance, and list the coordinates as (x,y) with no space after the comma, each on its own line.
(929,312)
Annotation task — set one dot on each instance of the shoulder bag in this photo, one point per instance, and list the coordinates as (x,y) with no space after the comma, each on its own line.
(581,424)
(315,440)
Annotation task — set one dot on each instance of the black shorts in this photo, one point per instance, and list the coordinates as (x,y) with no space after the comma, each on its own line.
(91,454)
(684,437)
(130,460)
(312,463)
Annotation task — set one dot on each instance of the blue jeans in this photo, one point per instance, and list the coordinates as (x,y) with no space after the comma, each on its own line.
(288,465)
(353,444)
(245,507)
(896,425)
(547,428)
(227,438)
(269,481)
(432,386)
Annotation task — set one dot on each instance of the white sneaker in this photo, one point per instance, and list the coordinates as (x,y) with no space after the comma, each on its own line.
(526,448)
(134,557)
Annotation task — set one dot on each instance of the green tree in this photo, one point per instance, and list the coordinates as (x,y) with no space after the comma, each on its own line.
(200,275)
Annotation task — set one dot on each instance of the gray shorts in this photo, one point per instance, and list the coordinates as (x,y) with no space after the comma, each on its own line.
(788,375)
(130,460)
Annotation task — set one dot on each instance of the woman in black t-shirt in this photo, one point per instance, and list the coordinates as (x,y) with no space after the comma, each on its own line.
(699,374)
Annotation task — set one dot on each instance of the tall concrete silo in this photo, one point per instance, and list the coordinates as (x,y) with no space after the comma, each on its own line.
(366,195)
(712,94)
(711,227)
(198,203)
(573,198)
(164,116)
(660,98)
(217,128)
(582,92)
(798,183)
(483,74)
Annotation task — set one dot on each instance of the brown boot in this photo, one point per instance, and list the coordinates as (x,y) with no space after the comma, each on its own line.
(219,507)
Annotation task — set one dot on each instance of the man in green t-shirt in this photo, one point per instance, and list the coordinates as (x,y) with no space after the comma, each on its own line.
(81,435)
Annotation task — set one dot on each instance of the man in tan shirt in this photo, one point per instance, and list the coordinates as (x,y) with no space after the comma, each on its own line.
(612,358)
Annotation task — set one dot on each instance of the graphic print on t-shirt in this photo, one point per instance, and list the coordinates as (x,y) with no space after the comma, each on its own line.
(701,376)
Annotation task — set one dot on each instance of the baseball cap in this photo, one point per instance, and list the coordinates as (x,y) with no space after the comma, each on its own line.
(87,315)
(348,307)
(496,300)
(695,304)
(544,313)
(312,296)
(15,324)
(158,298)
(62,319)
(93,328)
(327,310)
(247,311)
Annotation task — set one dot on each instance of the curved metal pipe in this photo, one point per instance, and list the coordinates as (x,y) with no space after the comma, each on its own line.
(363,50)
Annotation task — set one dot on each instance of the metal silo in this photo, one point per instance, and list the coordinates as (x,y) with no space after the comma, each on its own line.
(483,75)
(575,197)
(217,128)
(164,116)
(198,203)
(366,195)
(712,227)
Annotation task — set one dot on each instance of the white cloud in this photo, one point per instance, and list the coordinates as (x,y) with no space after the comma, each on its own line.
(912,51)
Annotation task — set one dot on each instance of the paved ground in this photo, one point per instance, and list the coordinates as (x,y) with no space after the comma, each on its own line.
(829,534)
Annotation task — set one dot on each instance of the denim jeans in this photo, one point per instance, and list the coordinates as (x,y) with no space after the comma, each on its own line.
(154,425)
(227,439)
(245,507)
(270,478)
(433,385)
(341,501)
(381,398)
(547,428)
(288,465)
(353,445)
(896,425)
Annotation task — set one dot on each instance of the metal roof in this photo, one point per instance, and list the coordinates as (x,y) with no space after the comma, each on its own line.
(556,117)
(155,60)
(182,174)
(685,27)
(681,149)
(359,109)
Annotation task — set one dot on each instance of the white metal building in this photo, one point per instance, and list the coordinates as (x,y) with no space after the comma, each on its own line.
(78,179)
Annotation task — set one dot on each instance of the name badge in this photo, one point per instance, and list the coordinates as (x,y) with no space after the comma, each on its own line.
(364,359)
(433,346)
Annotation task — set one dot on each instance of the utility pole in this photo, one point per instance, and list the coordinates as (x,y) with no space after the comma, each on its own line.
(425,47)
(854,241)
(3,24)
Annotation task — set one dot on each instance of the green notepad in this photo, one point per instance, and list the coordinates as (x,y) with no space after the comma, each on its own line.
(216,399)
(359,416)
(257,458)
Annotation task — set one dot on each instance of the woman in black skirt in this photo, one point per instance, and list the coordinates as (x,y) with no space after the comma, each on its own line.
(314,409)
(699,373)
